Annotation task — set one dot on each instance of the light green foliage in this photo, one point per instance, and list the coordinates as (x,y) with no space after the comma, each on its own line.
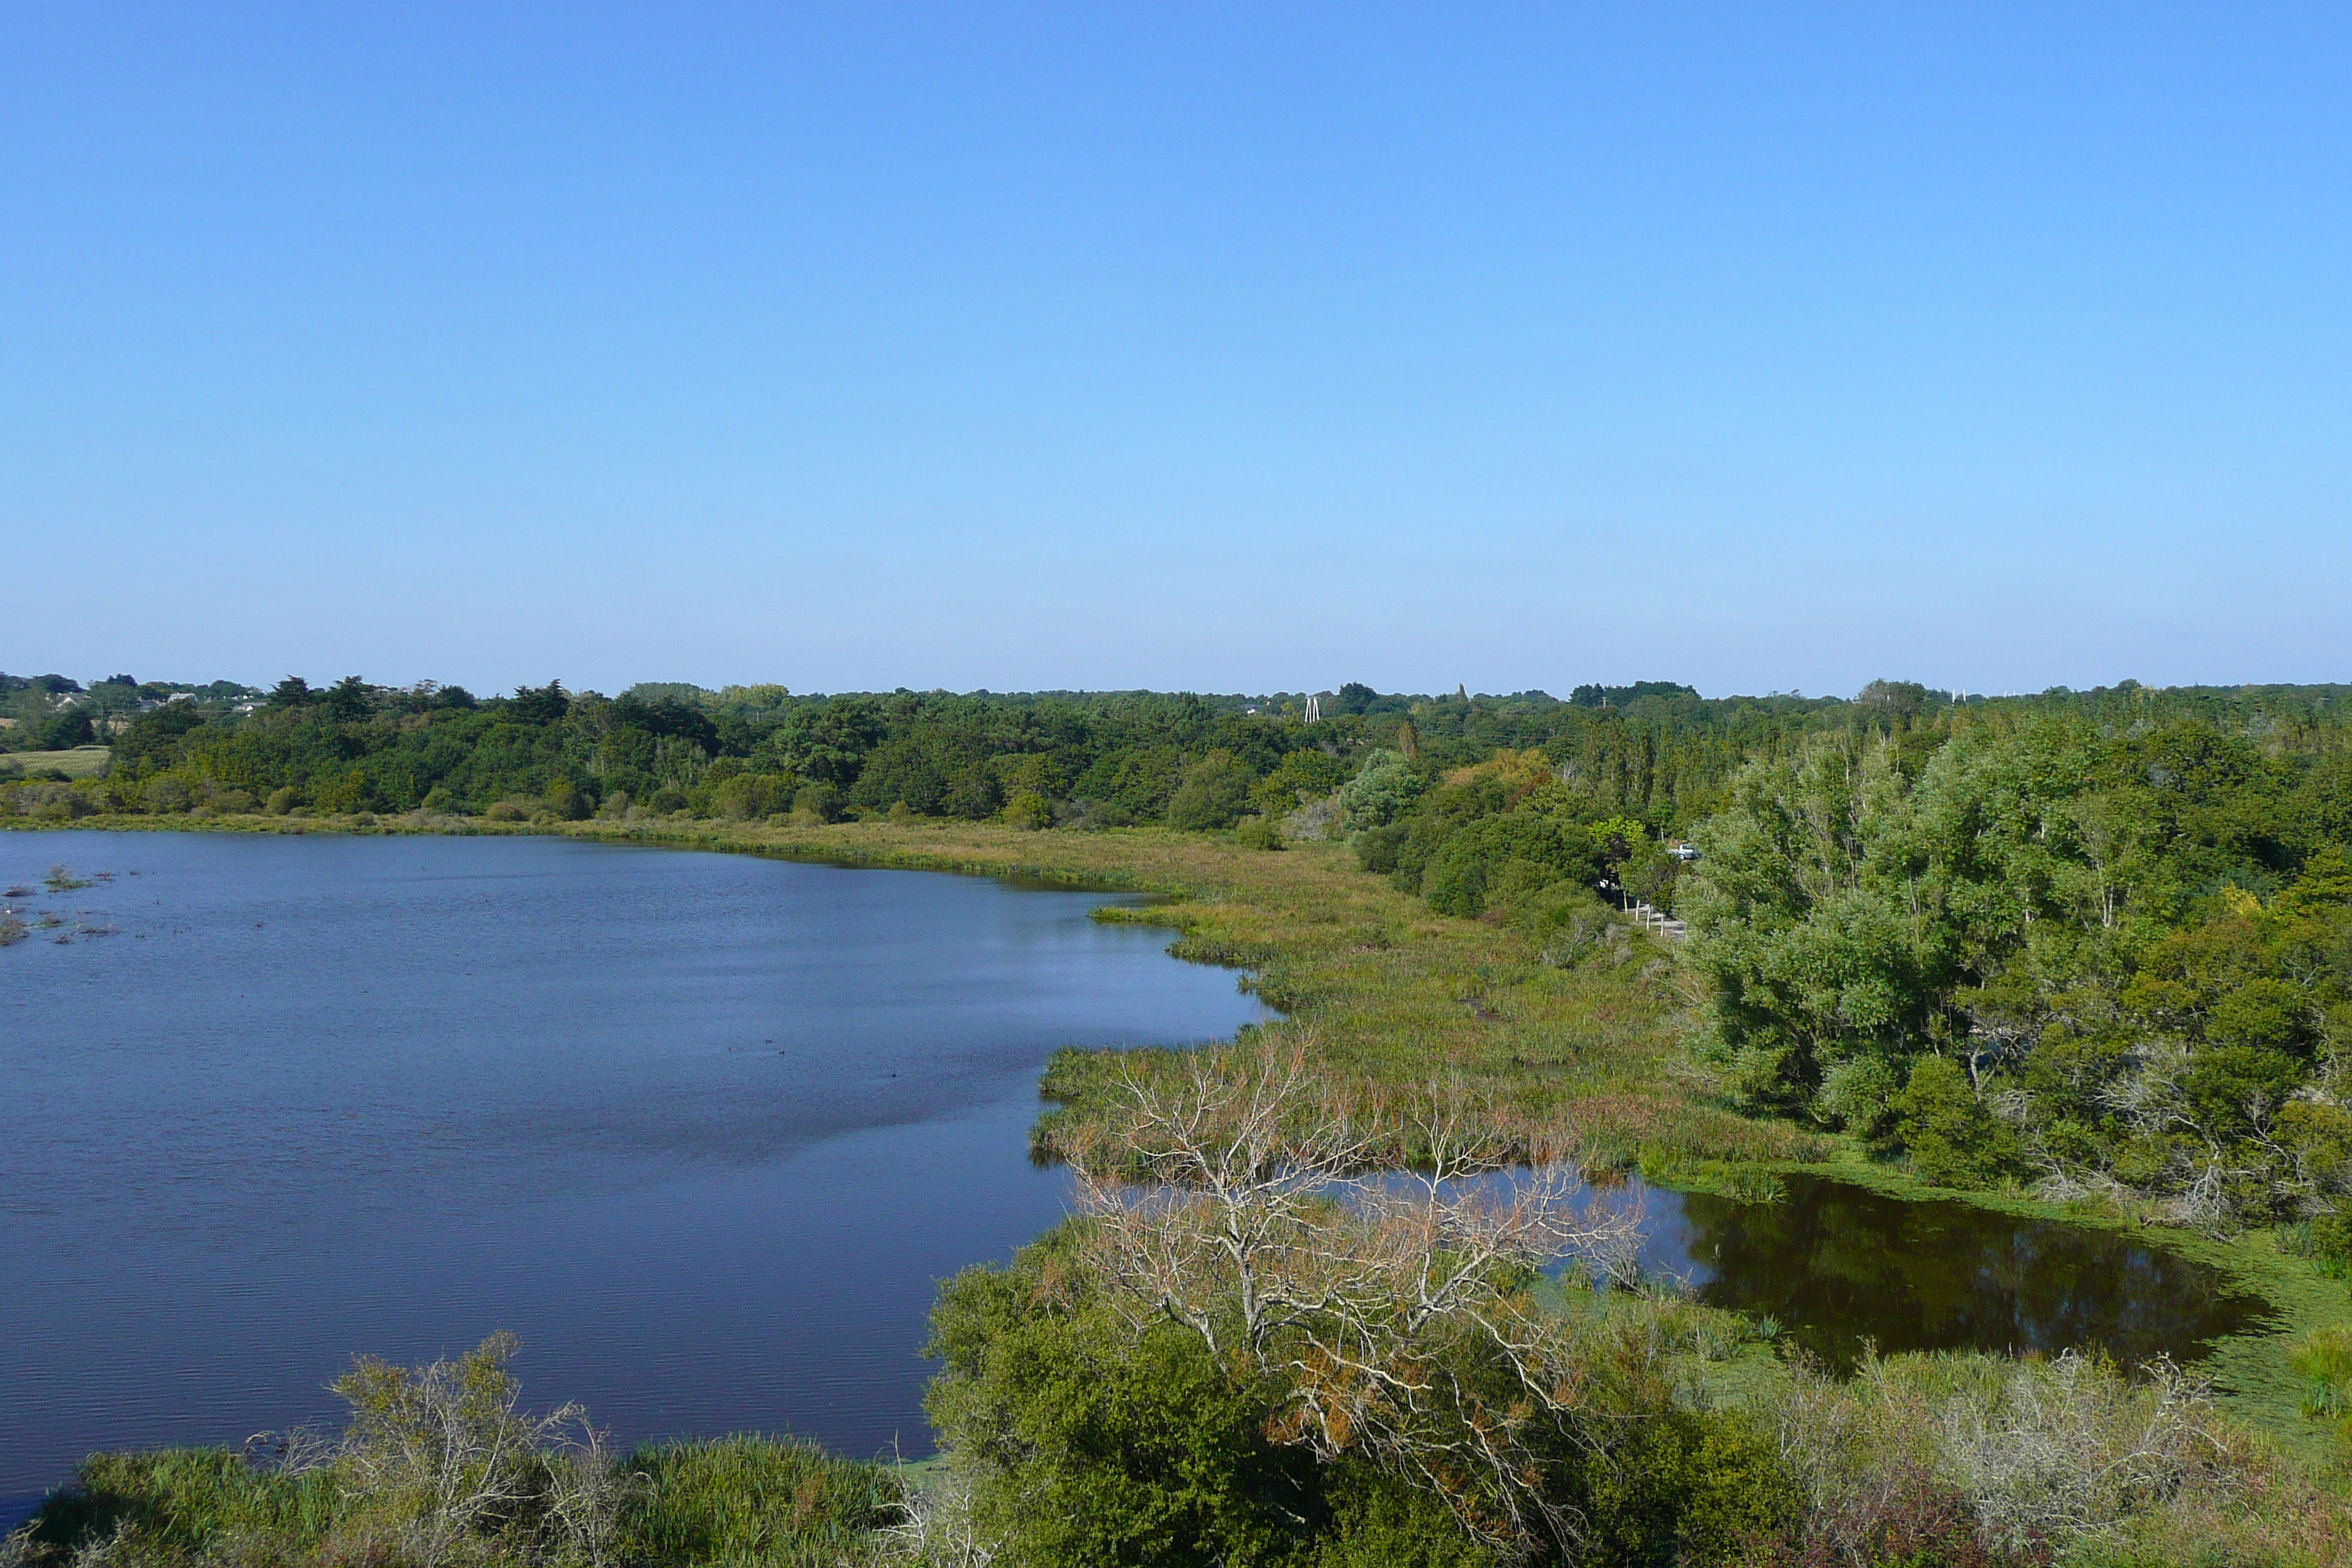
(1383,787)
(1259,833)
(2324,1360)
(753,1502)
(1028,808)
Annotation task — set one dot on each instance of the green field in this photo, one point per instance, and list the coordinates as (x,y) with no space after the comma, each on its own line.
(80,763)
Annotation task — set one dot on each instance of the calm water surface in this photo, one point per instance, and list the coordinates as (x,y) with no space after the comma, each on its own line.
(703,1129)
(1841,1265)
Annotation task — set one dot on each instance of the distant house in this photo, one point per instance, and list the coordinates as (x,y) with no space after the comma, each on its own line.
(1682,851)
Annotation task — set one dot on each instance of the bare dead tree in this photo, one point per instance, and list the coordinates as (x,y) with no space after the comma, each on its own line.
(1393,1307)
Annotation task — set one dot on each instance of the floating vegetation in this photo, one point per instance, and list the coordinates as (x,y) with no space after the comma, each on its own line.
(12,930)
(60,880)
(17,893)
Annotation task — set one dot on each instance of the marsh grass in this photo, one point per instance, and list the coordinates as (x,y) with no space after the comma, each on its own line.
(749,1502)
(742,1501)
(187,1503)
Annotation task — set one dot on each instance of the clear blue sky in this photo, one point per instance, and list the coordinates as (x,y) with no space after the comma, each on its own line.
(1243,349)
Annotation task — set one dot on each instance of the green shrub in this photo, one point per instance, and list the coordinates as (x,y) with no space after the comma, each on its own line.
(1382,791)
(1378,1521)
(817,802)
(188,1502)
(1857,1094)
(1027,808)
(1946,1128)
(1215,792)
(565,799)
(1504,860)
(167,794)
(1097,1448)
(1376,848)
(1259,833)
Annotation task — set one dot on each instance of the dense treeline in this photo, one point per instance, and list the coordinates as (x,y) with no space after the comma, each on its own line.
(1657,750)
(1042,759)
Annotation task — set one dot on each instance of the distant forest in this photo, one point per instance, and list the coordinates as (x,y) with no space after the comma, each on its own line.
(2095,941)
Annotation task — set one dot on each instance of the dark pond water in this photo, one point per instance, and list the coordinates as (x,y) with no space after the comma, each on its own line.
(1839,1266)
(704,1130)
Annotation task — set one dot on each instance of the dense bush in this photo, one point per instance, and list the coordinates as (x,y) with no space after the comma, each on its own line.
(2117,963)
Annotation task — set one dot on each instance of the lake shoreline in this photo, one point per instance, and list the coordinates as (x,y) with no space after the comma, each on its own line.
(1273,914)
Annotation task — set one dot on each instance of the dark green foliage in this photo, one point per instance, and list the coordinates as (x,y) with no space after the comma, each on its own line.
(1089,1439)
(2136,948)
(1946,1129)
(184,1501)
(1378,848)
(1689,1488)
(440,1465)
(60,731)
(153,740)
(1504,857)
(1105,1449)
(1376,1522)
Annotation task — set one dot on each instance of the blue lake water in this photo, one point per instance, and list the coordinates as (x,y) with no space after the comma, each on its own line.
(705,1129)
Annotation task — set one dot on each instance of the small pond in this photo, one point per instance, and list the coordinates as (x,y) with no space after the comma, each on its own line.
(1839,1266)
(705,1129)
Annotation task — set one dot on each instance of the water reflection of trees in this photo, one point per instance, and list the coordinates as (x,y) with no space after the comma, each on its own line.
(1840,1265)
